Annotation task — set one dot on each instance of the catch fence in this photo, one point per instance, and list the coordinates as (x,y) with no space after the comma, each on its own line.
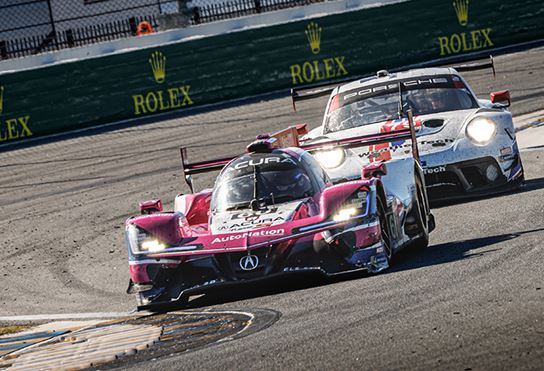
(37,26)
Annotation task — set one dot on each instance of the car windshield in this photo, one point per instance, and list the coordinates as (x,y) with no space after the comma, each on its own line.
(272,182)
(359,110)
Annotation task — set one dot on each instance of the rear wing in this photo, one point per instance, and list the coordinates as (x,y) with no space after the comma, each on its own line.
(290,138)
(323,89)
(477,66)
(305,94)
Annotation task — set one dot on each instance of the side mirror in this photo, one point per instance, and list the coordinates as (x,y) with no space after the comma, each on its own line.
(374,170)
(501,97)
(150,207)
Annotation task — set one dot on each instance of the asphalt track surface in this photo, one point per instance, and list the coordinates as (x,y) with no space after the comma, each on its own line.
(473,300)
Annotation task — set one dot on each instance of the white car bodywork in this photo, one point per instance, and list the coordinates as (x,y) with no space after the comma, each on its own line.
(454,164)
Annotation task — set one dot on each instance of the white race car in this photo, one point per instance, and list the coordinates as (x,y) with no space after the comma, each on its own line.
(467,145)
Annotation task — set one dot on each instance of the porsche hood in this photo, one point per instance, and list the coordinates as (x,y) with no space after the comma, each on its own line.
(435,132)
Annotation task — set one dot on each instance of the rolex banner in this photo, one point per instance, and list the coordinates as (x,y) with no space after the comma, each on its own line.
(240,64)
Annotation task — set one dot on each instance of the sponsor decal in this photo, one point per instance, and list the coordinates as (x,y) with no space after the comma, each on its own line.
(236,237)
(12,127)
(420,83)
(382,152)
(317,69)
(468,40)
(263,161)
(506,151)
(168,98)
(251,222)
(249,262)
(434,170)
(252,215)
(461,10)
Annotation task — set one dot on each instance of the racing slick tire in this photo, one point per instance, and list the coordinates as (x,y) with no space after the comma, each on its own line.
(420,213)
(385,230)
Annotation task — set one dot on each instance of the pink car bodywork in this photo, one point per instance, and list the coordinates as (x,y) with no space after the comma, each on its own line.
(350,226)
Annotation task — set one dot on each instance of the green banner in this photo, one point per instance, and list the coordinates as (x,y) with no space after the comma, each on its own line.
(240,64)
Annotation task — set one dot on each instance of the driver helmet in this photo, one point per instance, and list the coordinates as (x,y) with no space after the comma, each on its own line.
(296,182)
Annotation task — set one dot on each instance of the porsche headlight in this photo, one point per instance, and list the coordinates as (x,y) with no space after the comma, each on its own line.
(141,242)
(330,159)
(481,130)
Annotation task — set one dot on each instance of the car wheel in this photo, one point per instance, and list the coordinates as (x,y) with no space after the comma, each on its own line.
(385,230)
(420,213)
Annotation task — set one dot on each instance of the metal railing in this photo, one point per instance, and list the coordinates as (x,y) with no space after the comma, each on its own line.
(36,26)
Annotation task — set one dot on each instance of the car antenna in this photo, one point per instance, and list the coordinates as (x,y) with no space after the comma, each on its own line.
(254,204)
(401,104)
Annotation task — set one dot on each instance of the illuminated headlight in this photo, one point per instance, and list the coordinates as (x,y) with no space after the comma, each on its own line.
(344,214)
(355,205)
(481,130)
(330,159)
(140,241)
(152,246)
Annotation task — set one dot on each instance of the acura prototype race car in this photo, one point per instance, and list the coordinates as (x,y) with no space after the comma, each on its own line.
(467,145)
(274,211)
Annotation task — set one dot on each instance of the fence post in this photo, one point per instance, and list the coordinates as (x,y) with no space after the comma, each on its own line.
(3,50)
(70,38)
(258,6)
(52,21)
(196,15)
(133,26)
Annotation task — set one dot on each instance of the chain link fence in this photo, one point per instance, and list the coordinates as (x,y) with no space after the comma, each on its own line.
(37,26)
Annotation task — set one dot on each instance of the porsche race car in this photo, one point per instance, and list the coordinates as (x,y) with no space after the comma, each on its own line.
(467,145)
(274,211)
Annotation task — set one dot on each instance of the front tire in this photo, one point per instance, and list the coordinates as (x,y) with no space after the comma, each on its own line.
(421,214)
(385,231)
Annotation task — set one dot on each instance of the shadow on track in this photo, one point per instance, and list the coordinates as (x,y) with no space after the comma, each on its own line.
(451,251)
(405,260)
(527,186)
(272,286)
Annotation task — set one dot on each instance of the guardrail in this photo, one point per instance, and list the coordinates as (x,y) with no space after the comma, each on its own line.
(239,64)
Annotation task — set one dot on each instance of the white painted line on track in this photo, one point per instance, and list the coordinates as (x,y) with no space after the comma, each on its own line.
(529,120)
(62,316)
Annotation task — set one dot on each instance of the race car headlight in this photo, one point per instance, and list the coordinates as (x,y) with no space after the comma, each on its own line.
(355,205)
(140,241)
(481,130)
(152,246)
(330,159)
(344,214)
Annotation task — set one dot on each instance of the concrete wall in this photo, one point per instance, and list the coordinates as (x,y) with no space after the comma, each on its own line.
(203,70)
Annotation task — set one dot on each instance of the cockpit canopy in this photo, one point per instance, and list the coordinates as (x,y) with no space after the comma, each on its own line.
(269,178)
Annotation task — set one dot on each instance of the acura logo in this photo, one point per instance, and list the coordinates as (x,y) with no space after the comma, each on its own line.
(249,262)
